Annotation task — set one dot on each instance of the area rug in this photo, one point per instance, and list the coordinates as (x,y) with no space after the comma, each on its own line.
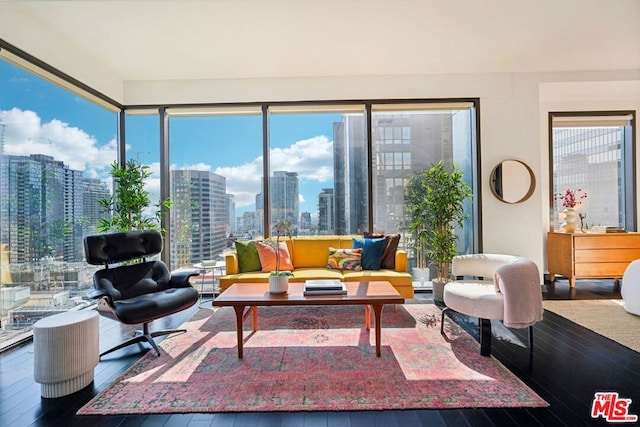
(606,317)
(312,359)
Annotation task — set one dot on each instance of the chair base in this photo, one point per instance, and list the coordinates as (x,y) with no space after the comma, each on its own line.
(484,326)
(144,336)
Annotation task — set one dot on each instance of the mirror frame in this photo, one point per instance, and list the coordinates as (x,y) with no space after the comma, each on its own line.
(493,178)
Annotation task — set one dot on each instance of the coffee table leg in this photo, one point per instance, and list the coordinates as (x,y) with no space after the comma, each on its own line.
(377,310)
(239,318)
(254,312)
(367,317)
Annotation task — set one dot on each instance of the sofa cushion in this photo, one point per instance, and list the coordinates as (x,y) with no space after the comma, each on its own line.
(371,252)
(267,254)
(311,252)
(391,246)
(248,259)
(474,298)
(345,259)
(304,274)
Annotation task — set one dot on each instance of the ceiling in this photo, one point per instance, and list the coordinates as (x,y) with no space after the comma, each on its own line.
(144,40)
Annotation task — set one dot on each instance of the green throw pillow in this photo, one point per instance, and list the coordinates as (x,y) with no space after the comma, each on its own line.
(248,259)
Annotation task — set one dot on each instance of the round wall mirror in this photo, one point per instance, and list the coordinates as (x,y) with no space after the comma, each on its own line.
(512,181)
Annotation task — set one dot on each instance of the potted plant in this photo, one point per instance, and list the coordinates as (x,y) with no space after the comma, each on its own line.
(279,280)
(435,204)
(130,201)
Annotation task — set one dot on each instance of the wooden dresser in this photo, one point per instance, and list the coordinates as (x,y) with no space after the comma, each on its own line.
(590,255)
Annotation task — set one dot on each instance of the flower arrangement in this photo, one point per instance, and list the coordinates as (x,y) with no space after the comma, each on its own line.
(281,228)
(571,198)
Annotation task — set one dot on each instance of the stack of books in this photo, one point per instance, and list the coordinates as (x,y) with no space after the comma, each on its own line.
(607,229)
(324,287)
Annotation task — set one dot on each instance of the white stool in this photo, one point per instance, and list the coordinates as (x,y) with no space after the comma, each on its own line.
(66,350)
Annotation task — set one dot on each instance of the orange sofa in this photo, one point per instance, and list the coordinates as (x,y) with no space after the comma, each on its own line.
(309,255)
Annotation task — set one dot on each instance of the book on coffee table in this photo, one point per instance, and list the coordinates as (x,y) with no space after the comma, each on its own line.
(324,287)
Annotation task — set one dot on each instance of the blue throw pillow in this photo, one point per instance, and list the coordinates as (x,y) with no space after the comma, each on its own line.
(371,252)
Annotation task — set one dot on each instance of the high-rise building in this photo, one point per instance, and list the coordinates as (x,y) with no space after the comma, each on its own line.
(285,197)
(326,212)
(402,145)
(54,208)
(93,190)
(198,216)
(305,225)
(33,221)
(231,212)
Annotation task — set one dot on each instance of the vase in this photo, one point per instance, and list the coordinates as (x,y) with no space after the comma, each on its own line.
(278,284)
(569,224)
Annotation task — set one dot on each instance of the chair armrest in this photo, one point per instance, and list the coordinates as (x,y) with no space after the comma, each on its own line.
(401,261)
(100,293)
(231,263)
(181,279)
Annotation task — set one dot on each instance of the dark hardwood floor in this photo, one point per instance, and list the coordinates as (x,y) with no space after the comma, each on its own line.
(569,364)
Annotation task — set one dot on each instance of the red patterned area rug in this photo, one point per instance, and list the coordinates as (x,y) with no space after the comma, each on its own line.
(314,359)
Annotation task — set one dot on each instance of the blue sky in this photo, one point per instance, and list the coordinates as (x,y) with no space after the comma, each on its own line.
(42,118)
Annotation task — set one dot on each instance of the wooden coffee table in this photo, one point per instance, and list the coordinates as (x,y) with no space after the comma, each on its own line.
(245,298)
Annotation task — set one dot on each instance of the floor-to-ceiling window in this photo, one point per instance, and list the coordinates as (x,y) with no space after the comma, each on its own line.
(56,147)
(329,170)
(408,138)
(318,168)
(591,154)
(216,181)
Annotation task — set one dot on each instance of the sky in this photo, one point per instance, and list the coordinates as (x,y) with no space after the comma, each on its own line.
(42,118)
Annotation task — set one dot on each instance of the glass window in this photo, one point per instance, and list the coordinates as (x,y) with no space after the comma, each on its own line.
(216,182)
(424,134)
(592,153)
(318,170)
(142,136)
(55,154)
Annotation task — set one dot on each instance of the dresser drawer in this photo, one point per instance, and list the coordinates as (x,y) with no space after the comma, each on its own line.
(601,269)
(607,255)
(607,241)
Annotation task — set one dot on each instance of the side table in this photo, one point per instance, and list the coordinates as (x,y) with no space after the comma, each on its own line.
(66,350)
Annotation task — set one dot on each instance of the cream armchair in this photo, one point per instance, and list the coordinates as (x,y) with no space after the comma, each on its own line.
(501,287)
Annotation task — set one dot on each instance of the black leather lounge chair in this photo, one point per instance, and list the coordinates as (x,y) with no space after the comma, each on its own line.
(137,292)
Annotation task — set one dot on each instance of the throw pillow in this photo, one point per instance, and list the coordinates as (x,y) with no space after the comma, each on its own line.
(391,246)
(371,252)
(248,259)
(267,254)
(344,259)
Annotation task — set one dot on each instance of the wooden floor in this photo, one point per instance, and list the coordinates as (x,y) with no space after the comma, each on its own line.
(568,366)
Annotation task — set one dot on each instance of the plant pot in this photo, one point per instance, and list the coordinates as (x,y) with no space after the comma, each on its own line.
(420,275)
(438,290)
(278,284)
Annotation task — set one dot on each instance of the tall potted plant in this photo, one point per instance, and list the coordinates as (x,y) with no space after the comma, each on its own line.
(435,204)
(130,201)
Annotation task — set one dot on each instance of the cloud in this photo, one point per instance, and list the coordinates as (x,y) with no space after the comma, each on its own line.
(312,158)
(25,134)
